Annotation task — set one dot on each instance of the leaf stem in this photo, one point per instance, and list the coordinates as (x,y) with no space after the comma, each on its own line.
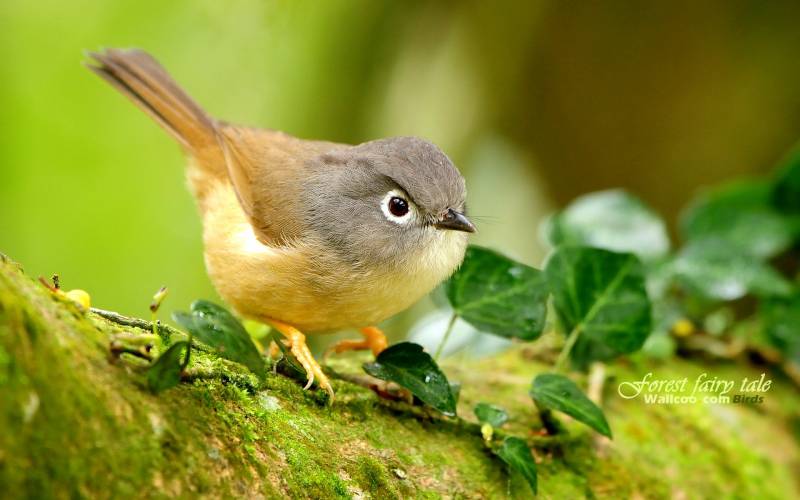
(549,421)
(561,362)
(447,333)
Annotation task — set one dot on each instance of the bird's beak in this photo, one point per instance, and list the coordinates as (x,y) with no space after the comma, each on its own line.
(455,221)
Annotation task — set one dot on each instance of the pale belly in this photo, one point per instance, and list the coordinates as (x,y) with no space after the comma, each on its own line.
(289,285)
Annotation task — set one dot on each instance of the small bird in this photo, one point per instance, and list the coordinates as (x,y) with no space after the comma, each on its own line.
(308,236)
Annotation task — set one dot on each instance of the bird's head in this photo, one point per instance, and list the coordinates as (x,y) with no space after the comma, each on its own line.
(397,201)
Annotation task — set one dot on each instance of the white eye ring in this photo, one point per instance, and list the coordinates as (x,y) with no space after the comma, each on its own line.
(397,219)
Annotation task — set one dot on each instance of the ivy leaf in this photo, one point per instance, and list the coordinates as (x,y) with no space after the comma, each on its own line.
(614,220)
(455,388)
(498,295)
(409,366)
(786,190)
(296,369)
(215,326)
(557,392)
(742,215)
(718,271)
(515,452)
(165,372)
(781,320)
(602,294)
(490,414)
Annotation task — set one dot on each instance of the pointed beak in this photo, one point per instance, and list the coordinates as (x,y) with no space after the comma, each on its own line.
(455,221)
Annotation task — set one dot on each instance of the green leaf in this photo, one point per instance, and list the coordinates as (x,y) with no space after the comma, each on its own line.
(490,414)
(455,388)
(515,452)
(409,366)
(602,294)
(786,190)
(557,392)
(219,329)
(498,295)
(718,271)
(613,220)
(781,320)
(295,368)
(742,215)
(165,372)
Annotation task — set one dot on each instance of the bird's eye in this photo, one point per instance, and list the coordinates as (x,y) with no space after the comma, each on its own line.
(398,206)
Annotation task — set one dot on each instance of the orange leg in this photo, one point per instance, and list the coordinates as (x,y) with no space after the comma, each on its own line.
(374,340)
(297,345)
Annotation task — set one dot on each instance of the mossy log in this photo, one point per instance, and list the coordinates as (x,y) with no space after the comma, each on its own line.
(79,422)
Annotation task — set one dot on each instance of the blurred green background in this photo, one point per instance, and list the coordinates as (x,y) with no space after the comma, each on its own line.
(537,102)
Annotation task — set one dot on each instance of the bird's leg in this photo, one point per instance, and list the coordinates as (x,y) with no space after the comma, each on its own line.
(297,345)
(374,340)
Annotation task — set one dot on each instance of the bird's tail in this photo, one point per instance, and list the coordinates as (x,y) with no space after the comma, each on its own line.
(142,79)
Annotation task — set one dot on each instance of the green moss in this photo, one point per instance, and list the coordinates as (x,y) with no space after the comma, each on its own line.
(373,476)
(75,424)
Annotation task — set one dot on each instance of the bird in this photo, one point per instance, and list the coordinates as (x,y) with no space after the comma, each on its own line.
(307,236)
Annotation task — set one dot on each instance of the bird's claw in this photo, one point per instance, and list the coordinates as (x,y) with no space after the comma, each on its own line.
(299,349)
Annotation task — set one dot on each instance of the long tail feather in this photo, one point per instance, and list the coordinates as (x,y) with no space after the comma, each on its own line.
(137,75)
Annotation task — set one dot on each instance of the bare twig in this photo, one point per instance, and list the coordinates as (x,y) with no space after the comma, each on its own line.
(385,390)
(119,319)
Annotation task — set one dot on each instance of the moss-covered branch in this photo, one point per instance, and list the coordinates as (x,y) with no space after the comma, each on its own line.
(77,421)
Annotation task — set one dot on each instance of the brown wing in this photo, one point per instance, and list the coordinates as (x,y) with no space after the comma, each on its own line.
(267,169)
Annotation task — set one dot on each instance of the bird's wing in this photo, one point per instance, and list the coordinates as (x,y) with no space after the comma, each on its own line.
(267,169)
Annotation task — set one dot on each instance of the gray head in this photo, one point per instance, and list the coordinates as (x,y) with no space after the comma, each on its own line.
(385,201)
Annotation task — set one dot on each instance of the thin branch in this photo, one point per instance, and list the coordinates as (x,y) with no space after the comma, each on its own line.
(119,319)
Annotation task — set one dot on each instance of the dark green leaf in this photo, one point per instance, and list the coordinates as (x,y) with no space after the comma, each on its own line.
(455,388)
(718,271)
(515,452)
(781,318)
(614,220)
(557,392)
(786,190)
(742,215)
(165,372)
(296,369)
(491,414)
(498,295)
(409,366)
(603,294)
(216,327)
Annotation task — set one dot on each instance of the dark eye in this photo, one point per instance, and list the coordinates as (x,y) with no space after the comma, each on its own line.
(398,206)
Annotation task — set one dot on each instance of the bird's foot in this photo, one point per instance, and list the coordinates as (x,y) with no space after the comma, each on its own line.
(296,343)
(374,340)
